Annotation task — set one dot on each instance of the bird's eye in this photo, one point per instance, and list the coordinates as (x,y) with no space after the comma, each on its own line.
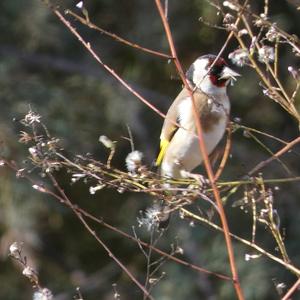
(216,70)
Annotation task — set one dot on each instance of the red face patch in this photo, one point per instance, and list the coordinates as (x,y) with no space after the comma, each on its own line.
(215,71)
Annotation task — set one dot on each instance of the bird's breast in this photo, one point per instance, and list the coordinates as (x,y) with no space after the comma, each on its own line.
(213,116)
(210,111)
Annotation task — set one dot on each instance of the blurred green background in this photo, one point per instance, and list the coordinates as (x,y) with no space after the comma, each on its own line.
(43,66)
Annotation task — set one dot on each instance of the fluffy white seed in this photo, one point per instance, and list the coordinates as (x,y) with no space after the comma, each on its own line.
(239,57)
(15,249)
(133,160)
(266,54)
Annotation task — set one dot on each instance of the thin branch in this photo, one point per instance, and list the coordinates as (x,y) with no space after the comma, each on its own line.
(203,151)
(225,155)
(45,190)
(275,156)
(291,290)
(87,45)
(115,36)
(287,265)
(94,234)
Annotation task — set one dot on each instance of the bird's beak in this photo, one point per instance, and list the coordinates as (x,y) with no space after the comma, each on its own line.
(227,73)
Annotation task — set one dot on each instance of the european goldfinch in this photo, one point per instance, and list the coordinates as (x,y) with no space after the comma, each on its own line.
(179,148)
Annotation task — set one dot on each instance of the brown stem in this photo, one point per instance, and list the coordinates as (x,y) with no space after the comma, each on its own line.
(289,266)
(203,151)
(291,290)
(116,37)
(225,155)
(275,156)
(94,234)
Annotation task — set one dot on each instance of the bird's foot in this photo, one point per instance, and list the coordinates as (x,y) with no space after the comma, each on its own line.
(200,179)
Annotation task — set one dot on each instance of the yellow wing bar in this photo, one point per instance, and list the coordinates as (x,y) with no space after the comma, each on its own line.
(163,147)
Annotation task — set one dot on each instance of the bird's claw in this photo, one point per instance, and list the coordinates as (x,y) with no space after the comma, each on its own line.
(200,179)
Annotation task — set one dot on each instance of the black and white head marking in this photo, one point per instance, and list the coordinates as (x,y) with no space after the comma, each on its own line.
(201,68)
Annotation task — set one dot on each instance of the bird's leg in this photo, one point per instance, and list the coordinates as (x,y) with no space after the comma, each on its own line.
(198,177)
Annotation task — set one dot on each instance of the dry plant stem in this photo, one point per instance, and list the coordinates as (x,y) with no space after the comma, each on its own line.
(168,256)
(262,133)
(264,163)
(276,60)
(110,70)
(259,142)
(274,181)
(296,91)
(275,156)
(290,108)
(225,155)
(287,265)
(230,35)
(120,232)
(254,218)
(115,36)
(288,37)
(107,68)
(291,290)
(93,233)
(270,223)
(203,151)
(269,68)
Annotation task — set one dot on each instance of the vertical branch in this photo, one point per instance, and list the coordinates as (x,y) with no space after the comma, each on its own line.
(203,151)
(276,58)
(225,154)
(254,217)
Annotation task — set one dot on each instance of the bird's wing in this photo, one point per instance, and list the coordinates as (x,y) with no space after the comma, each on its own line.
(169,127)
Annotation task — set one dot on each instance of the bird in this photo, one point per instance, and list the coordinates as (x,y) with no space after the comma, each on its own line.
(179,154)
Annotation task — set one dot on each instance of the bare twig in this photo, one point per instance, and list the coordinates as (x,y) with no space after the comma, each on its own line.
(275,156)
(287,265)
(95,235)
(203,151)
(291,291)
(114,36)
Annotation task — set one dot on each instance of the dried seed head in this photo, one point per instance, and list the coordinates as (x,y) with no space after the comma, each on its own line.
(231,5)
(266,54)
(33,151)
(43,294)
(31,118)
(294,72)
(30,273)
(243,32)
(239,57)
(228,18)
(154,217)
(15,249)
(133,161)
(272,34)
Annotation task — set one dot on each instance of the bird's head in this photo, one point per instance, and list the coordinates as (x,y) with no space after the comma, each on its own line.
(210,75)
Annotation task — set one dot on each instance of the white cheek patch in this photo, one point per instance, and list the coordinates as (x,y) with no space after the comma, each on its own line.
(199,71)
(202,81)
